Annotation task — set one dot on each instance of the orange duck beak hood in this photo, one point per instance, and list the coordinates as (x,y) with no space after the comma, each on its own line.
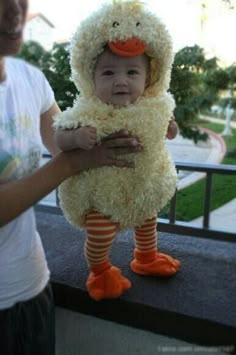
(128,48)
(129,29)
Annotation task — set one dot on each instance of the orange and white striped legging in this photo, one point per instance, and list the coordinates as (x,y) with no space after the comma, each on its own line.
(101,233)
(146,236)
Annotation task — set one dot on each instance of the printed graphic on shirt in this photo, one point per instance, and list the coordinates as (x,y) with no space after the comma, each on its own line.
(8,166)
(16,166)
(20,151)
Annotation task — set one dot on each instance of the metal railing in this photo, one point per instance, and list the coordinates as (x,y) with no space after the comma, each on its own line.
(180,227)
(171,225)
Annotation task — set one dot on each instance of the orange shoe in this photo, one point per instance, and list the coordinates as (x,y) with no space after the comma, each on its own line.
(109,283)
(154,264)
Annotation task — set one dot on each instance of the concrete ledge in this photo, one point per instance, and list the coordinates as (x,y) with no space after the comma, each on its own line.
(197,305)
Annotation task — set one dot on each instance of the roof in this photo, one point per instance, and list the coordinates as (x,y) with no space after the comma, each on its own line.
(38,14)
(62,41)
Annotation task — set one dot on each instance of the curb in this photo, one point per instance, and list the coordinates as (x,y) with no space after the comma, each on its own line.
(218,151)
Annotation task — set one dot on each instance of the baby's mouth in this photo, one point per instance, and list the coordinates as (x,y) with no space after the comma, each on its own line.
(121,93)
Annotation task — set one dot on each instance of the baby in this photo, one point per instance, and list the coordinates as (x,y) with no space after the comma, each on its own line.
(122,70)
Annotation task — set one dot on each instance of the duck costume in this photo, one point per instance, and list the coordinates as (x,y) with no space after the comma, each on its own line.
(110,199)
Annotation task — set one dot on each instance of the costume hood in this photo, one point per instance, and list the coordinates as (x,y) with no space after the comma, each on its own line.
(121,21)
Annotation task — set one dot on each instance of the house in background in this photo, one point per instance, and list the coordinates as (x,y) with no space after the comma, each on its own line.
(38,28)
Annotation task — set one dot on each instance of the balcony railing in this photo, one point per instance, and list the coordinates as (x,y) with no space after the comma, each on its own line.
(206,231)
(171,224)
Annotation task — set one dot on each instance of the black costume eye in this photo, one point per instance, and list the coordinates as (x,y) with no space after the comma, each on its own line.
(115,24)
(138,24)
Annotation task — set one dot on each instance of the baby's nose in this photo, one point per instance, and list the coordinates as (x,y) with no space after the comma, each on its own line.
(121,80)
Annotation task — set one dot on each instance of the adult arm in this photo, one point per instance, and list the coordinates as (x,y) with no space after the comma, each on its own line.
(46,130)
(16,197)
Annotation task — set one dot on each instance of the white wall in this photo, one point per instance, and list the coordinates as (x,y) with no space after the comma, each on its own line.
(40,31)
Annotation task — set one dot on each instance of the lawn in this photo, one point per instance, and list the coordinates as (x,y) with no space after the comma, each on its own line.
(191,199)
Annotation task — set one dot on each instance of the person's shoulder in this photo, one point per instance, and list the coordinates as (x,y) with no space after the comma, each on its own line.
(23,66)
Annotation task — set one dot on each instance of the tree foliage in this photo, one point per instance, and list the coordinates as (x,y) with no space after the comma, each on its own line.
(187,86)
(195,83)
(55,65)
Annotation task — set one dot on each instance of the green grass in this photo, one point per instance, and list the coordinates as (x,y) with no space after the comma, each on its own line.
(190,200)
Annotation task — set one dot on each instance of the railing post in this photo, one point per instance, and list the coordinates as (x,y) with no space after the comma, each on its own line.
(173,208)
(57,198)
(207,202)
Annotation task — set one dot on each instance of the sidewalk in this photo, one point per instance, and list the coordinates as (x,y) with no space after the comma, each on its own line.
(185,150)
(210,152)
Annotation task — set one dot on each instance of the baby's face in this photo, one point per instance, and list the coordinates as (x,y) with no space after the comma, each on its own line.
(119,81)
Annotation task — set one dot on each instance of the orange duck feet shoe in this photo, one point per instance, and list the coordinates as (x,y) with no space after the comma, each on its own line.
(154,264)
(109,283)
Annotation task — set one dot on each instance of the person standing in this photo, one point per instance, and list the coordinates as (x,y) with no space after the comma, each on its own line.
(27,105)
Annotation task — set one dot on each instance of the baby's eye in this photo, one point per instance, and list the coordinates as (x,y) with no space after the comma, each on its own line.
(115,24)
(132,72)
(107,72)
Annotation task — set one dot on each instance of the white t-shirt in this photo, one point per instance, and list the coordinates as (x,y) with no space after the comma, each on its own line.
(24,96)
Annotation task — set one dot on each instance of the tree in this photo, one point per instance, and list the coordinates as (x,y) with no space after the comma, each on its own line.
(229,3)
(222,84)
(34,53)
(56,67)
(187,86)
(59,76)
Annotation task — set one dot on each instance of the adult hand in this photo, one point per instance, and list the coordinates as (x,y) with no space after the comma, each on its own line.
(104,154)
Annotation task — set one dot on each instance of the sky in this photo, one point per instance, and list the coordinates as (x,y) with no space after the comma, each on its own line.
(182,18)
(67,14)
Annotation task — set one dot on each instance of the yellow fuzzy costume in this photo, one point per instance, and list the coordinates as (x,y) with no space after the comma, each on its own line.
(110,198)
(128,196)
